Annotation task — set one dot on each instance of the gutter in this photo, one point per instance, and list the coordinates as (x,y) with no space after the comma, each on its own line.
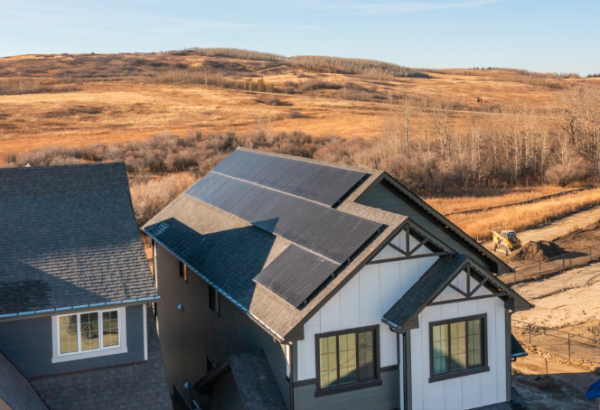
(211,283)
(45,312)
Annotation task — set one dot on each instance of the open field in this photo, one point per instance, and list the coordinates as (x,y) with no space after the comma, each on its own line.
(122,97)
(522,217)
(498,198)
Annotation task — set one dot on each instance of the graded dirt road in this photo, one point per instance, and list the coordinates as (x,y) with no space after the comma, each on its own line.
(557,228)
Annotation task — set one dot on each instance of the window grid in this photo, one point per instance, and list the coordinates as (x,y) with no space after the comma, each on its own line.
(457,345)
(346,359)
(80,333)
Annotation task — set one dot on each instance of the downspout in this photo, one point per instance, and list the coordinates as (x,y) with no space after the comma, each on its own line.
(291,376)
(406,370)
(406,384)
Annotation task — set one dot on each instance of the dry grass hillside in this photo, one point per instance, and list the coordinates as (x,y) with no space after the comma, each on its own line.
(81,99)
(487,137)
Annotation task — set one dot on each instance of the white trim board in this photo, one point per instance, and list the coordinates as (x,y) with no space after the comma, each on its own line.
(122,348)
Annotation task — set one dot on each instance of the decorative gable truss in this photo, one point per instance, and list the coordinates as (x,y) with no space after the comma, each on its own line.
(410,243)
(469,284)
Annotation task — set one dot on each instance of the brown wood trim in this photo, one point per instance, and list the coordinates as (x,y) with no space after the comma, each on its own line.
(442,222)
(484,367)
(402,258)
(349,387)
(493,295)
(451,286)
(389,368)
(462,373)
(307,382)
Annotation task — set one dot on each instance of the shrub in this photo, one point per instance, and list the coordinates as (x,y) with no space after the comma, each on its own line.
(564,175)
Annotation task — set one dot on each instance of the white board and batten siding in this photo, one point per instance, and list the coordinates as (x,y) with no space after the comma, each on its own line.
(363,301)
(466,392)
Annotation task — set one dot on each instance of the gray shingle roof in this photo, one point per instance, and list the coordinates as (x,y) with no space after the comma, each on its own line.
(139,386)
(252,377)
(403,315)
(68,237)
(256,382)
(229,252)
(16,390)
(404,311)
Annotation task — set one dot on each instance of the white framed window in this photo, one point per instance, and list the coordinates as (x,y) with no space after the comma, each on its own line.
(89,334)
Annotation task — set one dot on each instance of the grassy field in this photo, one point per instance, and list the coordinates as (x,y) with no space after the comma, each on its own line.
(507,197)
(522,217)
(81,99)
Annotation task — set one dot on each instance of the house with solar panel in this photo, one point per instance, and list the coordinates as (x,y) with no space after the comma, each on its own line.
(289,283)
(76,331)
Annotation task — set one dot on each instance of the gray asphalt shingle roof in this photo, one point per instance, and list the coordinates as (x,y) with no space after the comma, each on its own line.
(229,252)
(425,290)
(255,381)
(16,390)
(403,315)
(137,386)
(68,237)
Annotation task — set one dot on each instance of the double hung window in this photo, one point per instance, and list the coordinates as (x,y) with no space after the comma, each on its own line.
(347,359)
(457,347)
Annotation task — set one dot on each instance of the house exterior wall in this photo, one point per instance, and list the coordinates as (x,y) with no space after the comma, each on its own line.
(384,397)
(466,392)
(27,343)
(189,336)
(381,197)
(362,302)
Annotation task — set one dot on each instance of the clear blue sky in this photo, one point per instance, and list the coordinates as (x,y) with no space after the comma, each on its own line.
(539,35)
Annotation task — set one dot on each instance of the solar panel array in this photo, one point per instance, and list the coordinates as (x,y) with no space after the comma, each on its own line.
(295,274)
(257,188)
(331,233)
(320,183)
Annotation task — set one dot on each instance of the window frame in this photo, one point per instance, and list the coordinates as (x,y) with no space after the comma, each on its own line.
(355,385)
(217,304)
(183,271)
(58,357)
(469,370)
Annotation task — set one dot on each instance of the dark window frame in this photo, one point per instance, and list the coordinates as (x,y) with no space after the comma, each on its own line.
(481,368)
(350,386)
(214,303)
(183,271)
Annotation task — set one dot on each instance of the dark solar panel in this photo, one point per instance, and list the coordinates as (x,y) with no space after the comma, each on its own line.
(295,274)
(324,230)
(320,183)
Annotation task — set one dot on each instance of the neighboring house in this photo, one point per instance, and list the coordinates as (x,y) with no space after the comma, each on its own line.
(289,283)
(75,329)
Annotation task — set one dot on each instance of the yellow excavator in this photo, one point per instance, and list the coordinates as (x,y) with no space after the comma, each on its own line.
(505,241)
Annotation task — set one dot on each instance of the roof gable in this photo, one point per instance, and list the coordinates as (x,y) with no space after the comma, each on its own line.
(69,239)
(416,208)
(445,274)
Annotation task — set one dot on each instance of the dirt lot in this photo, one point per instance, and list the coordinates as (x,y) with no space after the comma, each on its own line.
(565,301)
(563,388)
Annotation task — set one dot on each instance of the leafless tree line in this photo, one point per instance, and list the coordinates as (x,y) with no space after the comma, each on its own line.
(516,147)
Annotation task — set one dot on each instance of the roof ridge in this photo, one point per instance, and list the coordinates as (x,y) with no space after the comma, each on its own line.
(56,167)
(309,160)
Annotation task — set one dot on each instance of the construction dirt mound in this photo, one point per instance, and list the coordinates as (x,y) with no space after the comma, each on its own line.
(536,251)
